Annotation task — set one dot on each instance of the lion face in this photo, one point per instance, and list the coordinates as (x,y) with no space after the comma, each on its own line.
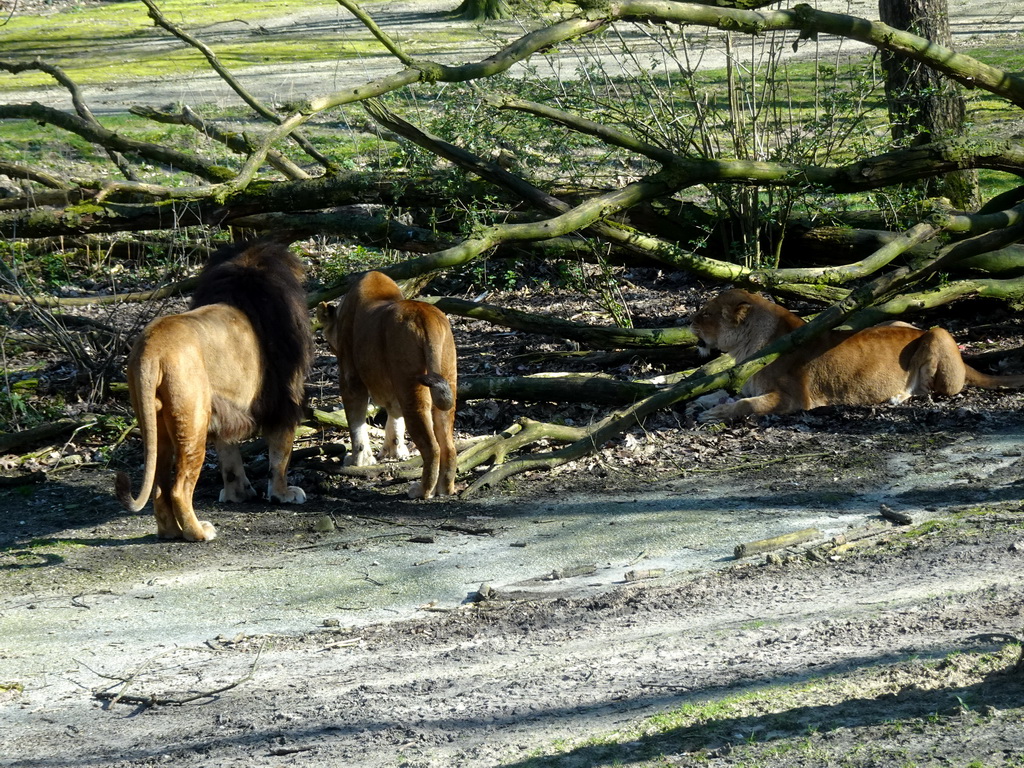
(719,324)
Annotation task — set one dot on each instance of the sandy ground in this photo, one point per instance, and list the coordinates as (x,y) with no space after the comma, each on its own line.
(289,621)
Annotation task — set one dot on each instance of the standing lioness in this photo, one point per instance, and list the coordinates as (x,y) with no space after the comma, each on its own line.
(402,354)
(886,363)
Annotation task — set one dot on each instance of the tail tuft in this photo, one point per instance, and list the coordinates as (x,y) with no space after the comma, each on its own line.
(440,391)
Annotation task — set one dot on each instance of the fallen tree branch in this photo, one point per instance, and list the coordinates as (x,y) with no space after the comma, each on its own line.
(154,700)
(103,137)
(485,449)
(600,337)
(173,289)
(11,442)
(236,142)
(13,481)
(750,548)
(560,388)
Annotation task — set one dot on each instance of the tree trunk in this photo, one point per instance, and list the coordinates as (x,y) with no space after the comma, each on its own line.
(483,10)
(924,106)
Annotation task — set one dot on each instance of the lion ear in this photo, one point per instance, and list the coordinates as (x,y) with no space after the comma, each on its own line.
(324,311)
(739,314)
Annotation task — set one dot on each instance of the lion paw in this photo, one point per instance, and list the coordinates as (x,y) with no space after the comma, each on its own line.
(237,494)
(293,495)
(416,490)
(362,458)
(209,533)
(712,415)
(707,402)
(399,452)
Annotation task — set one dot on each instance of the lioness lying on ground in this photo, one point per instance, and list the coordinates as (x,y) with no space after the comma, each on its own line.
(886,363)
(402,354)
(234,363)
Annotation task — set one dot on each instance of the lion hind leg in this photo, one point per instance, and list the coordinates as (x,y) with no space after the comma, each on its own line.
(418,422)
(237,487)
(279,445)
(936,365)
(356,401)
(444,426)
(163,509)
(188,429)
(190,463)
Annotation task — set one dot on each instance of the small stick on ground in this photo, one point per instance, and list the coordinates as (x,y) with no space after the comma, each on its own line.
(776,542)
(152,701)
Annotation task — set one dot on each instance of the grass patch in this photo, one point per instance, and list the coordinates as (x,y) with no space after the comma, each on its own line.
(802,718)
(118,41)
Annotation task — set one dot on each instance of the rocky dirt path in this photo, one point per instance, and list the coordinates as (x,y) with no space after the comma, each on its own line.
(817,652)
(511,683)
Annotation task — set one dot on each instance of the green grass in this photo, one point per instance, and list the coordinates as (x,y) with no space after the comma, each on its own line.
(766,722)
(118,42)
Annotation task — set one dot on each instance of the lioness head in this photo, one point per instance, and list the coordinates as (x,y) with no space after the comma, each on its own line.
(719,323)
(327,316)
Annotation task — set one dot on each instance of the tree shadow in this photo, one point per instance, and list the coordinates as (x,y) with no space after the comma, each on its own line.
(999,690)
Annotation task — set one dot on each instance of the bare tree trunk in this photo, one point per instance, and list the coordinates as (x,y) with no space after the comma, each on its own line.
(483,10)
(924,106)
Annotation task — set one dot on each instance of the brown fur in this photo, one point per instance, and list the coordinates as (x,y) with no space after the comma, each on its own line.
(234,363)
(402,354)
(886,363)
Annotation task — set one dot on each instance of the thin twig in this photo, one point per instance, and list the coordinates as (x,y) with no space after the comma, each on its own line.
(152,701)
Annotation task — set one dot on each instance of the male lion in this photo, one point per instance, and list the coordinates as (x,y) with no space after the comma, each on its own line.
(235,362)
(886,363)
(402,354)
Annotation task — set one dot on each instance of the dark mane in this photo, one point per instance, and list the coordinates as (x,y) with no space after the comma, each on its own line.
(263,279)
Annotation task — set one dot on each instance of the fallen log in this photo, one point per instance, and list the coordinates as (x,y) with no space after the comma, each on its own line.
(12,442)
(776,542)
(576,388)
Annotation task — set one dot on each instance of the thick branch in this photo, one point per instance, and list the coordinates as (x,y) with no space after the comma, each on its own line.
(236,142)
(428,71)
(97,134)
(377,32)
(1005,290)
(964,69)
(594,336)
(174,289)
(561,388)
(16,171)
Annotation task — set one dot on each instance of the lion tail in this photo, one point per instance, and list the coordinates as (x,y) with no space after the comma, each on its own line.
(978,379)
(436,333)
(145,387)
(440,391)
